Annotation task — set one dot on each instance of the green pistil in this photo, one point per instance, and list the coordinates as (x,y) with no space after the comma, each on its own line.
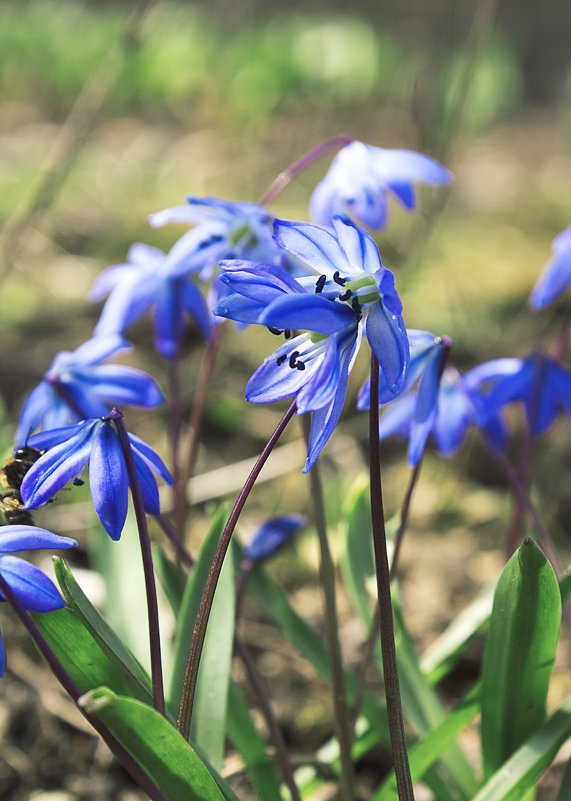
(366,282)
(315,337)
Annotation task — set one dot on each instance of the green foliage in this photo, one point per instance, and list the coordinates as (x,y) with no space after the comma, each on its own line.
(520,650)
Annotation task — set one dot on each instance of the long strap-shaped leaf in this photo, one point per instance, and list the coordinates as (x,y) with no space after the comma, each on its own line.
(516,776)
(519,655)
(157,746)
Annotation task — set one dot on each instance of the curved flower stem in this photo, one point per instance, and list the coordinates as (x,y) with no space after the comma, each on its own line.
(199,633)
(206,368)
(327,576)
(271,722)
(376,619)
(560,344)
(390,670)
(398,538)
(175,428)
(525,502)
(182,552)
(150,585)
(287,176)
(130,765)
(60,389)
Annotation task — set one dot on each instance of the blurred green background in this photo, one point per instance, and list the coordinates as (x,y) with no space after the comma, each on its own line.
(111,111)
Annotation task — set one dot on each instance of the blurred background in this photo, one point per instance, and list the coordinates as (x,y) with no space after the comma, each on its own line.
(112,110)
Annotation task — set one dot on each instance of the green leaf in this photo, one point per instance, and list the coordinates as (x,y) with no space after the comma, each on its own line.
(78,652)
(439,658)
(565,587)
(519,655)
(358,565)
(190,603)
(155,744)
(208,727)
(426,752)
(516,776)
(245,739)
(123,660)
(121,566)
(172,580)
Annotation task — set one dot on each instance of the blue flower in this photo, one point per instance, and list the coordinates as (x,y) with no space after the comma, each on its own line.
(361,178)
(77,386)
(151,280)
(223,230)
(352,294)
(458,404)
(35,591)
(428,356)
(68,449)
(556,275)
(543,385)
(270,537)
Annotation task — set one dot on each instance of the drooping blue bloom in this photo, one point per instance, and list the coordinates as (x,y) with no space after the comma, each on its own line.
(268,538)
(556,275)
(352,294)
(361,178)
(153,281)
(541,384)
(428,356)
(95,441)
(459,403)
(35,591)
(78,386)
(223,230)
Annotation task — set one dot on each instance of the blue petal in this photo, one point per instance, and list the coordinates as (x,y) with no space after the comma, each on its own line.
(55,468)
(40,399)
(260,282)
(237,307)
(54,436)
(324,203)
(178,214)
(404,191)
(123,386)
(271,535)
(554,279)
(324,420)
(194,303)
(275,381)
(309,313)
(35,591)
(151,458)
(407,165)
(397,418)
(491,371)
(24,538)
(108,480)
(168,320)
(387,337)
(97,349)
(455,410)
(128,301)
(142,255)
(361,249)
(314,246)
(148,485)
(195,250)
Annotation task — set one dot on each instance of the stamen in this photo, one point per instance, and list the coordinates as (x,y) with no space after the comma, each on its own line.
(338,280)
(281,359)
(292,358)
(355,305)
(346,295)
(320,284)
(288,333)
(300,366)
(277,331)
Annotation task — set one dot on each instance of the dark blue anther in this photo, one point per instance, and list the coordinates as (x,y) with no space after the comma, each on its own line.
(292,359)
(338,280)
(320,284)
(281,359)
(277,331)
(346,295)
